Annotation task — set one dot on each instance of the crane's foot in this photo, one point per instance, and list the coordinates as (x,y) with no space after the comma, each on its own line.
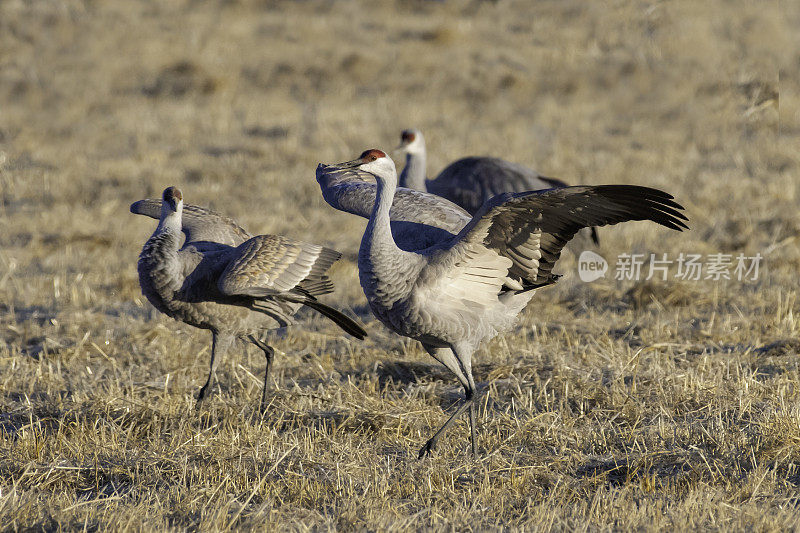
(201,398)
(427,448)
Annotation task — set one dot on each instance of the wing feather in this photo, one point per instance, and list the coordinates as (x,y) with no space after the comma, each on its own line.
(470,274)
(268,265)
(532,228)
(198,223)
(418,219)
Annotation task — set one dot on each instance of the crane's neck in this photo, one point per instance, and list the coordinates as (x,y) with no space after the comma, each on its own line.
(413,176)
(169,228)
(386,272)
(160,272)
(378,235)
(170,222)
(162,247)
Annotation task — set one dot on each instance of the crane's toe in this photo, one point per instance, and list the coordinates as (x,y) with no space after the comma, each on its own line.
(427,448)
(201,397)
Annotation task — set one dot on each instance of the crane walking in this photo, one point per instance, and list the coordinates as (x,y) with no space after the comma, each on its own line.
(463,289)
(225,281)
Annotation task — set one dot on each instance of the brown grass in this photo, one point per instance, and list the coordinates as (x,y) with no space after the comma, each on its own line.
(615,405)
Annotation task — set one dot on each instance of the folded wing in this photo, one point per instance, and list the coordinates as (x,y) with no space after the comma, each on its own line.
(269,265)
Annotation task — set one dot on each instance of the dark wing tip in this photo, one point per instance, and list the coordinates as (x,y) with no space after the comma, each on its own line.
(646,203)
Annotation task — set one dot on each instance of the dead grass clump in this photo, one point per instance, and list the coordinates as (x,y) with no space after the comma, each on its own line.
(181,79)
(780,348)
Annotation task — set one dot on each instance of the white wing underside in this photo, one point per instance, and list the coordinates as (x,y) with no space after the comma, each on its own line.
(462,285)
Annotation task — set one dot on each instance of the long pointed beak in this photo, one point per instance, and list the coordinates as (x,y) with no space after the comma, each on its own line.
(351,164)
(401,148)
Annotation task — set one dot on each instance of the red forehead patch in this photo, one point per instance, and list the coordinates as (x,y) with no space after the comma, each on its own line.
(172,192)
(408,136)
(371,155)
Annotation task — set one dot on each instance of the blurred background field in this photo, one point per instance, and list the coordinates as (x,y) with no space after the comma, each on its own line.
(612,405)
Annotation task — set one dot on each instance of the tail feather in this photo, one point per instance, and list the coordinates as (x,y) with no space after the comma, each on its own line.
(343,321)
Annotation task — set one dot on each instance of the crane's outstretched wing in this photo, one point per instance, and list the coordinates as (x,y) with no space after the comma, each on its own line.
(269,265)
(353,191)
(531,228)
(198,223)
(471,181)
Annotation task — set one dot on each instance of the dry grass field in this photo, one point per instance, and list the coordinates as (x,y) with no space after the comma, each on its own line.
(615,405)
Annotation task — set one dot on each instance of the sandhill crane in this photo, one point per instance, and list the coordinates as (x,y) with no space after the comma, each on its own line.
(465,289)
(225,281)
(470,181)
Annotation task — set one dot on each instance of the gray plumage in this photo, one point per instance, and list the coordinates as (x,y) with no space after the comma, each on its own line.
(198,224)
(471,181)
(419,220)
(223,280)
(465,289)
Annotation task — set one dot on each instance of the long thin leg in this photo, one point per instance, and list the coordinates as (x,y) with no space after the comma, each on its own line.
(457,358)
(269,353)
(463,353)
(472,426)
(468,403)
(219,345)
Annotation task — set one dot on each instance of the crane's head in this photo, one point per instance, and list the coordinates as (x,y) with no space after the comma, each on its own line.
(411,142)
(172,200)
(374,161)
